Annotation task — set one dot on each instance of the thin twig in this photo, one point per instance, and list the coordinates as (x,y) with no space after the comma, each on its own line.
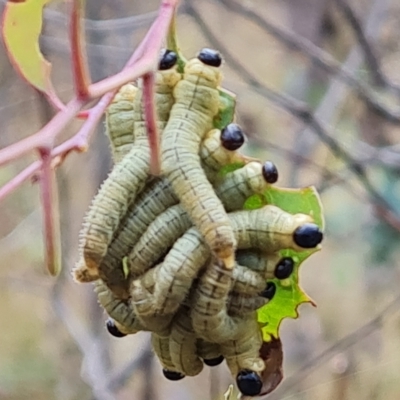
(78,55)
(322,59)
(371,60)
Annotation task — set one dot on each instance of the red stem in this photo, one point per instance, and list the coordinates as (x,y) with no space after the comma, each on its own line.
(79,59)
(50,216)
(151,125)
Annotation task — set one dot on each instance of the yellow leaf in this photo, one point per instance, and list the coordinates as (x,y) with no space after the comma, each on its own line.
(22,24)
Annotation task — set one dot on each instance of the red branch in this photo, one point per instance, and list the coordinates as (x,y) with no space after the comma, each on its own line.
(50,214)
(143,62)
(79,59)
(150,117)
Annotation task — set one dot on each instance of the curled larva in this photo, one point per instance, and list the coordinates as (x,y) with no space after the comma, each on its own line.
(126,320)
(183,345)
(196,105)
(119,310)
(124,182)
(157,239)
(243,351)
(151,202)
(209,313)
(269,229)
(238,185)
(160,346)
(214,154)
(119,121)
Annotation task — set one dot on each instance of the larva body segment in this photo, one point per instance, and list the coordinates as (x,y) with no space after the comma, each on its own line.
(183,345)
(157,239)
(119,121)
(240,184)
(160,346)
(196,105)
(247,281)
(119,310)
(207,350)
(240,304)
(124,182)
(174,276)
(258,261)
(209,305)
(242,352)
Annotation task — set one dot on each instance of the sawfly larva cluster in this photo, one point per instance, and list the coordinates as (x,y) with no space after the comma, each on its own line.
(176,255)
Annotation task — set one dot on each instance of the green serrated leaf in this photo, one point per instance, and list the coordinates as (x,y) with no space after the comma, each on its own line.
(289,294)
(22,24)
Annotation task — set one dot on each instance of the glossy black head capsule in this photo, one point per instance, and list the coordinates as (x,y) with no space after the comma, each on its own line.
(210,57)
(307,236)
(269,291)
(249,383)
(113,330)
(232,137)
(270,172)
(167,60)
(284,268)
(212,362)
(173,375)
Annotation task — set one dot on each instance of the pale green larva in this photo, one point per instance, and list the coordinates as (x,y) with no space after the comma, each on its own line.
(124,182)
(268,229)
(237,186)
(119,122)
(183,345)
(196,105)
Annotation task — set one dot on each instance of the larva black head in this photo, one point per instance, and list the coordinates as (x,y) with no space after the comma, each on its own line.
(307,236)
(249,383)
(113,330)
(269,171)
(269,291)
(232,137)
(167,60)
(212,362)
(284,268)
(210,57)
(173,375)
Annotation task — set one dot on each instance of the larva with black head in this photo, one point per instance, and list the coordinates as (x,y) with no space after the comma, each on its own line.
(124,182)
(196,105)
(240,184)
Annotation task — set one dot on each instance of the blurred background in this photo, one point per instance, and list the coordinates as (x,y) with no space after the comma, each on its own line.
(318,87)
